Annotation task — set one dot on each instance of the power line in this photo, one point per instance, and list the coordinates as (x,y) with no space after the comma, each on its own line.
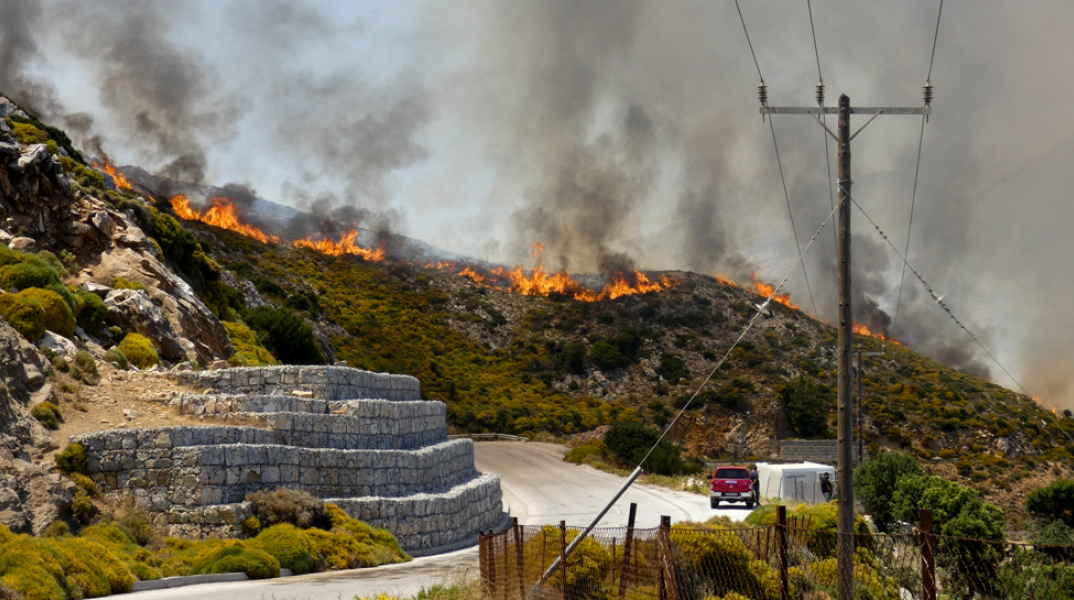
(760,310)
(823,114)
(917,167)
(779,161)
(939,301)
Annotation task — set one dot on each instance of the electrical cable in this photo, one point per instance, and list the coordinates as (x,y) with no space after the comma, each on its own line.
(760,311)
(939,300)
(779,162)
(823,114)
(917,169)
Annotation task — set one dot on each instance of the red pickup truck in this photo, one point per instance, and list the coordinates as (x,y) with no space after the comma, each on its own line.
(731,484)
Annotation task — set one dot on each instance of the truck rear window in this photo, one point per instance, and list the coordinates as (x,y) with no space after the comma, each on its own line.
(732,474)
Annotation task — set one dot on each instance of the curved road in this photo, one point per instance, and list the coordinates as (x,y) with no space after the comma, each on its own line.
(538,488)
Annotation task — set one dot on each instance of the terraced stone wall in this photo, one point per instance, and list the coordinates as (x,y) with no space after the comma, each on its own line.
(327,383)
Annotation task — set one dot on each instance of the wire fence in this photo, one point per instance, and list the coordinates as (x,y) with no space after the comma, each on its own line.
(794,560)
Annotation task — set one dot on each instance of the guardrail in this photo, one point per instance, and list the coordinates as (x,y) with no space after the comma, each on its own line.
(489,436)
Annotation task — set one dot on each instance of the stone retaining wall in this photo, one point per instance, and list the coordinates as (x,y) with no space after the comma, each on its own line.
(820,451)
(218,404)
(224,474)
(419,522)
(326,383)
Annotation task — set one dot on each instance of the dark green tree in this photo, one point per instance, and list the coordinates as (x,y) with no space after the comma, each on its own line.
(605,356)
(287,336)
(672,368)
(1054,501)
(630,442)
(806,402)
(874,484)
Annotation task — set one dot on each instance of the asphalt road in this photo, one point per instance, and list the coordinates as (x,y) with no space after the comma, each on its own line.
(538,488)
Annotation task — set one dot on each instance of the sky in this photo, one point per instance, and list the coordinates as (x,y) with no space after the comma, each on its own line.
(619,133)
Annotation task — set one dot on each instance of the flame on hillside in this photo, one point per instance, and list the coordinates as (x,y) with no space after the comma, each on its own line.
(117,177)
(541,283)
(765,290)
(725,281)
(222,214)
(346,246)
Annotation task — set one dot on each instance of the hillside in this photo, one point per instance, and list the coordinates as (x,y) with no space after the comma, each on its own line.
(501,360)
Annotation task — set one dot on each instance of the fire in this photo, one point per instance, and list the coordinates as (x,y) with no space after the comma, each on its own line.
(541,283)
(346,246)
(472,275)
(120,181)
(763,289)
(222,214)
(725,281)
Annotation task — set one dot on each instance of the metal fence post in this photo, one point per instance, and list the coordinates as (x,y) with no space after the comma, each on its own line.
(781,542)
(928,557)
(625,572)
(519,556)
(563,555)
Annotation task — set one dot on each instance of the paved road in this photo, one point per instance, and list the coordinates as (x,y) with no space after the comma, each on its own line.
(538,488)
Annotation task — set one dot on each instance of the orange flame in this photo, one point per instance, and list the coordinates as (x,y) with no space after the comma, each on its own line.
(222,214)
(345,246)
(725,281)
(117,177)
(540,283)
(472,275)
(765,290)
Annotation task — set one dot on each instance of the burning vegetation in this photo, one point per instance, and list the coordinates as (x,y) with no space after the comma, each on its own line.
(117,177)
(223,214)
(346,246)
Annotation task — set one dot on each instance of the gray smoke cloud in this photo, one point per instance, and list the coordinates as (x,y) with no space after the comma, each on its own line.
(626,133)
(18,51)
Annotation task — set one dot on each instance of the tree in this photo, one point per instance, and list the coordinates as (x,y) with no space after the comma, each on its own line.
(806,403)
(874,484)
(630,442)
(605,356)
(1054,501)
(672,368)
(289,338)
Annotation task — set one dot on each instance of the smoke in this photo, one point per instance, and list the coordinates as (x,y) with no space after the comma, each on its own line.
(18,51)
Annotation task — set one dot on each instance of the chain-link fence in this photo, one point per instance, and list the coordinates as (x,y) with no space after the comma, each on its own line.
(792,561)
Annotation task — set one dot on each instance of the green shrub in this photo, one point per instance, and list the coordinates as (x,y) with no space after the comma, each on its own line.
(97,564)
(295,507)
(289,338)
(32,271)
(1054,501)
(121,283)
(33,568)
(806,404)
(92,312)
(84,483)
(139,351)
(55,529)
(25,315)
(288,545)
(72,459)
(58,316)
(874,484)
(257,564)
(117,358)
(85,368)
(48,414)
(605,356)
(672,368)
(251,526)
(81,506)
(631,442)
(248,352)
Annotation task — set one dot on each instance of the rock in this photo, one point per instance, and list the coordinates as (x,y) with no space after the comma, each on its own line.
(103,222)
(183,366)
(74,227)
(131,236)
(93,288)
(5,237)
(133,311)
(32,155)
(131,414)
(8,108)
(8,149)
(23,244)
(58,344)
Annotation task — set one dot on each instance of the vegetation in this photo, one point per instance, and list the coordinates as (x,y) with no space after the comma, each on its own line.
(48,414)
(58,316)
(287,336)
(24,314)
(92,312)
(807,403)
(248,351)
(875,484)
(117,358)
(72,459)
(631,443)
(139,351)
(294,507)
(1054,502)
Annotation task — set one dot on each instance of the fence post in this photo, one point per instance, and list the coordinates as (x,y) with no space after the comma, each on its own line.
(519,557)
(490,553)
(928,557)
(781,542)
(486,565)
(668,589)
(625,571)
(506,562)
(563,555)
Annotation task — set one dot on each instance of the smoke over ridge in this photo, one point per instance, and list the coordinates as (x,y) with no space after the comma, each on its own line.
(619,133)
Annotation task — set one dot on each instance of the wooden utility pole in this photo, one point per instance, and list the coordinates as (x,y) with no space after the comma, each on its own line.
(845,453)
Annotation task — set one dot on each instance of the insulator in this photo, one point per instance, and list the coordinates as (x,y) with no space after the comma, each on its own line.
(762,93)
(928,93)
(820,93)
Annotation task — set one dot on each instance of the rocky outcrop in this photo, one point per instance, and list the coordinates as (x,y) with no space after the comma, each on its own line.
(31,495)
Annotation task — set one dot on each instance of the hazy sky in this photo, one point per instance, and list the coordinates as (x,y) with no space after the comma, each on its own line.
(616,132)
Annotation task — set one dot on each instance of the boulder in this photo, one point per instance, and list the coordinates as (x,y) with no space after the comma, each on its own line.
(33,154)
(23,244)
(59,345)
(103,222)
(132,310)
(94,288)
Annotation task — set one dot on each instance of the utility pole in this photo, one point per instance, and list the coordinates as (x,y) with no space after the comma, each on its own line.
(845,466)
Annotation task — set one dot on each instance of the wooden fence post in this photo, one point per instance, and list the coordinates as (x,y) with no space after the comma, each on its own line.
(781,541)
(668,589)
(563,555)
(491,554)
(519,558)
(506,577)
(928,557)
(625,571)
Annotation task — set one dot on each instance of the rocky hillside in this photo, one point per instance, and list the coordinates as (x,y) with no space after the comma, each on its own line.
(500,360)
